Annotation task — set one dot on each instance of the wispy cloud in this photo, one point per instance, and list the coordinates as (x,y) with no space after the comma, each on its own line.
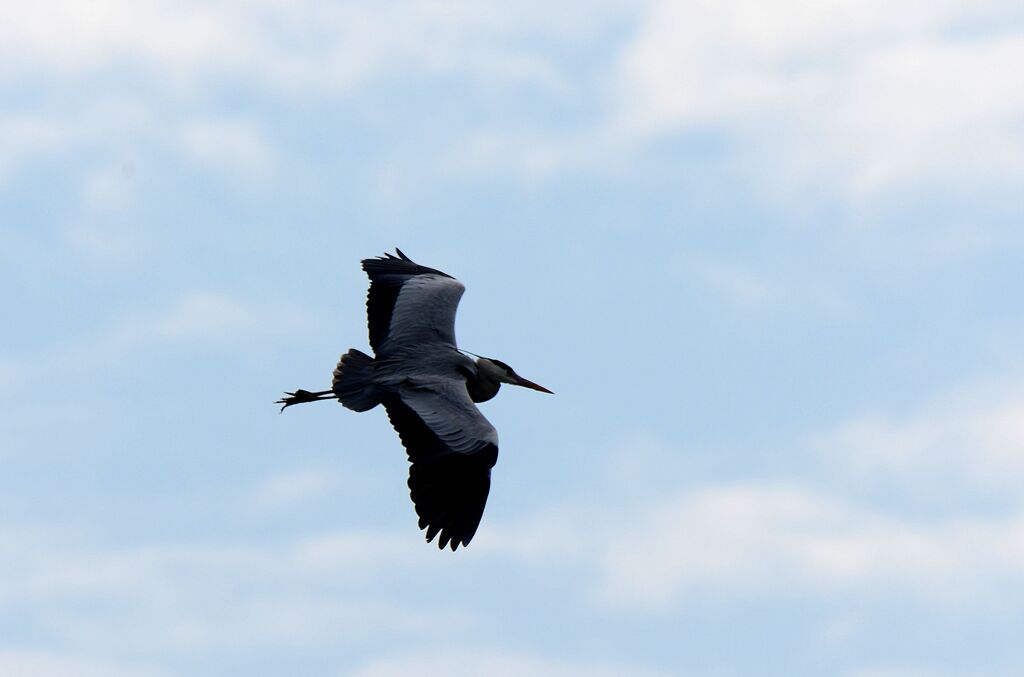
(472,661)
(770,540)
(777,539)
(807,537)
(342,46)
(855,98)
(237,147)
(103,124)
(289,489)
(161,599)
(118,130)
(842,100)
(253,46)
(27,137)
(198,318)
(970,437)
(52,664)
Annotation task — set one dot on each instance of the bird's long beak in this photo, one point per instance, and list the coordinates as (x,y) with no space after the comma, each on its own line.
(520,381)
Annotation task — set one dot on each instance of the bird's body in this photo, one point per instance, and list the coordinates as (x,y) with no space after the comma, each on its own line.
(428,388)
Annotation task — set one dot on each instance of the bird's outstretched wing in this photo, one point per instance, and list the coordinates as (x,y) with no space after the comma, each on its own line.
(452,448)
(409,304)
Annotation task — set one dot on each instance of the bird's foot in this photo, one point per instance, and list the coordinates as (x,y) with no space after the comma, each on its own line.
(301,396)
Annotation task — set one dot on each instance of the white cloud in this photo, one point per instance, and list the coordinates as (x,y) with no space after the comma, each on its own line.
(163,599)
(855,100)
(183,51)
(118,130)
(776,539)
(75,38)
(538,155)
(200,318)
(24,663)
(300,46)
(971,436)
(768,540)
(471,661)
(857,97)
(661,547)
(107,125)
(27,137)
(236,147)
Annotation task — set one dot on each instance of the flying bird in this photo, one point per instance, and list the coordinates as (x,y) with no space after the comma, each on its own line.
(429,388)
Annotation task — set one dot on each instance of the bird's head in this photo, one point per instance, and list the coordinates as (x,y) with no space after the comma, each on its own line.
(496,370)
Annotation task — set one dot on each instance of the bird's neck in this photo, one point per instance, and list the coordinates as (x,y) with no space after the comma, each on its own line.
(481,388)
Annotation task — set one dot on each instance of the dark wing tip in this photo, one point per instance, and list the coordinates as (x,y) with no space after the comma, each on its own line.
(449,494)
(447,540)
(389,264)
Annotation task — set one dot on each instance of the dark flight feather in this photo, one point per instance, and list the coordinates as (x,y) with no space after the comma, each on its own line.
(448,488)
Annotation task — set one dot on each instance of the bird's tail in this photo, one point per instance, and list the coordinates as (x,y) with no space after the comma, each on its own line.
(353,381)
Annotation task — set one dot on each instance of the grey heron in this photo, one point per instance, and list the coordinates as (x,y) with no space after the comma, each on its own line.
(429,388)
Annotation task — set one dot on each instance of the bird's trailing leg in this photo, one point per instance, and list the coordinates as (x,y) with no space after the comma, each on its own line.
(301,396)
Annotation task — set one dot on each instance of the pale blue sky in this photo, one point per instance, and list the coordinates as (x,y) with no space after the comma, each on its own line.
(769,257)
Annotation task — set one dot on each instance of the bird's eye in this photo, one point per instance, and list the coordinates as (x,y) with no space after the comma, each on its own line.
(502,365)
